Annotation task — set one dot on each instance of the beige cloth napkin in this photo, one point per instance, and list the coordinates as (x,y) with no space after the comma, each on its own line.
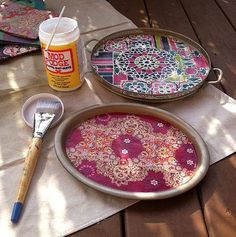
(57,204)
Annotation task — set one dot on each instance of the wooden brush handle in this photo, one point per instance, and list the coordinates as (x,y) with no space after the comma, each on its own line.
(29,166)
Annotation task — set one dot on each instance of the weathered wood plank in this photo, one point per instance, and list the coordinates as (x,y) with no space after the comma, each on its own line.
(108,227)
(218,198)
(169,15)
(229,9)
(217,36)
(178,216)
(134,10)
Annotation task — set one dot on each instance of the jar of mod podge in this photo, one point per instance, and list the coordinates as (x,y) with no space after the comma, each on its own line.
(63,59)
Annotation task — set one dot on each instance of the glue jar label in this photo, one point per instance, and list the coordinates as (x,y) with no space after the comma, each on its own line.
(63,59)
(60,61)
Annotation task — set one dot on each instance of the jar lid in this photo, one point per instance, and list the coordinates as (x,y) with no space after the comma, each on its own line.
(66,32)
(30,106)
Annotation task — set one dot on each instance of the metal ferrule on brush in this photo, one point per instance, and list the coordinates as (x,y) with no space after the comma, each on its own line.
(42,122)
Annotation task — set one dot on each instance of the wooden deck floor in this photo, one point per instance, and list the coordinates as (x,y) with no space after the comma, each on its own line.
(210,208)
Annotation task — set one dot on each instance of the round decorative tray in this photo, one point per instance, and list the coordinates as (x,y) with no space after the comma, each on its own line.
(151,65)
(132,151)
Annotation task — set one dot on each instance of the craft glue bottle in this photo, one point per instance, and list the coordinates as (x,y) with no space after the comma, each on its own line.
(63,59)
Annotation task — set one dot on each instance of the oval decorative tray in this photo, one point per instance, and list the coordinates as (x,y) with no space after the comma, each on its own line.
(150,65)
(132,151)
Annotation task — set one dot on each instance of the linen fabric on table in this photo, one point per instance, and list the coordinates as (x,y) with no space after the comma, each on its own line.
(57,204)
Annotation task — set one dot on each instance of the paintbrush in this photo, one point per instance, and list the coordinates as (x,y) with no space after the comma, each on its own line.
(46,111)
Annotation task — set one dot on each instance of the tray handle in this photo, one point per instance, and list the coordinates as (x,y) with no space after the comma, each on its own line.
(219,75)
(86,45)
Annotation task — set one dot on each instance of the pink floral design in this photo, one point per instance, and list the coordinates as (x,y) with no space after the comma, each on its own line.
(21,20)
(163,88)
(132,152)
(14,50)
(116,45)
(133,64)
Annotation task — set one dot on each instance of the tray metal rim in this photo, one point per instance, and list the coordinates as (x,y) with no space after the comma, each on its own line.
(143,96)
(199,144)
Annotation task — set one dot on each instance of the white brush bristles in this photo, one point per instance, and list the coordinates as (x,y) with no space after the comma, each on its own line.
(48,106)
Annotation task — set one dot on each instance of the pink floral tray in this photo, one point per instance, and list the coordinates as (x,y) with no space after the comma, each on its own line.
(148,64)
(132,151)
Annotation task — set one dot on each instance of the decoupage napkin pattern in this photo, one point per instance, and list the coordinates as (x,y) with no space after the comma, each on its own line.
(19,24)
